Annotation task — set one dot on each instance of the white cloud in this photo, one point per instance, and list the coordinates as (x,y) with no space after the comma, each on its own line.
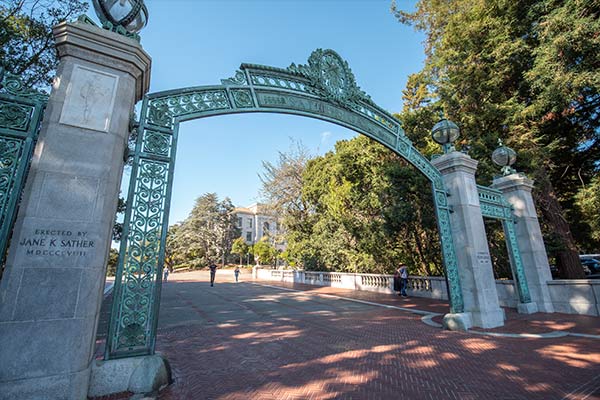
(325,136)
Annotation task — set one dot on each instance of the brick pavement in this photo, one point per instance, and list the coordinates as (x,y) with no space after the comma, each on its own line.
(245,341)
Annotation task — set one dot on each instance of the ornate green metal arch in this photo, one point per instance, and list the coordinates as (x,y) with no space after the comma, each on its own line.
(21,111)
(325,89)
(493,205)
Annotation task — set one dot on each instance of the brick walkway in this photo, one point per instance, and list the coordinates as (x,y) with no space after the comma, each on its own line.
(249,341)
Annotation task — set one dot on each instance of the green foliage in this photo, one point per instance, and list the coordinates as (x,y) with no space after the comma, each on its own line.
(117,231)
(526,72)
(240,247)
(205,236)
(588,200)
(264,251)
(113,261)
(361,214)
(26,40)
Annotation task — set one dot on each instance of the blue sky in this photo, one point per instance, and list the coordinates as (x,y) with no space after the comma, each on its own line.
(200,42)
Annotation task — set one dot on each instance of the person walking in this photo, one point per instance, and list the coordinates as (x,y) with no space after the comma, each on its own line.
(166,275)
(213,271)
(403,270)
(236,272)
(397,281)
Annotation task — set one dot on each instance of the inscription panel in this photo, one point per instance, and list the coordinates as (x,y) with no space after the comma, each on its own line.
(43,242)
(319,107)
(90,99)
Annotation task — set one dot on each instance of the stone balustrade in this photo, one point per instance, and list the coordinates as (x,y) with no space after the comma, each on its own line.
(570,296)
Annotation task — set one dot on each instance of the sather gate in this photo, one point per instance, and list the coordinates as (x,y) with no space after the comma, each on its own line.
(57,204)
(325,89)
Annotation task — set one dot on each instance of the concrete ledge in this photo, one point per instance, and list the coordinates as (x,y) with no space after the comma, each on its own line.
(527,308)
(457,322)
(143,374)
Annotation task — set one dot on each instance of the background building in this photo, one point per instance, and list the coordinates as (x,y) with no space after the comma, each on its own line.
(255,221)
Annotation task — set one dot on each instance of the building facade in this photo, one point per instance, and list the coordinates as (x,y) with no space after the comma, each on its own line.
(255,222)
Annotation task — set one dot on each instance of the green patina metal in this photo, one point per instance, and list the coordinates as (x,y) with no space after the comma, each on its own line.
(325,89)
(20,115)
(494,205)
(84,19)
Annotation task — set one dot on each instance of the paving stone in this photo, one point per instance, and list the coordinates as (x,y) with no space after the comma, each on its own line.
(245,341)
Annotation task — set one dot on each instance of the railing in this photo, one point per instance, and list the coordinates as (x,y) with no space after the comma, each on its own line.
(332,277)
(422,286)
(572,296)
(375,280)
(419,283)
(310,277)
(276,274)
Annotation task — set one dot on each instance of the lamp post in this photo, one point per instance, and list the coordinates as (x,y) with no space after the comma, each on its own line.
(130,16)
(504,157)
(445,132)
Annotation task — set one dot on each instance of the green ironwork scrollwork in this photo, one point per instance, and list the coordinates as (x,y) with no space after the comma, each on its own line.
(157,143)
(21,111)
(331,77)
(11,85)
(15,116)
(493,205)
(11,151)
(132,330)
(242,98)
(325,88)
(238,79)
(516,261)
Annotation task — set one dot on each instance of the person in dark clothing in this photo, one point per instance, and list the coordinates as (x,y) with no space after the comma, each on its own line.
(213,271)
(403,271)
(397,281)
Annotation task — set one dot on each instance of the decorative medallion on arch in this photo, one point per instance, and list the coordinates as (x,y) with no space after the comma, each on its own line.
(324,88)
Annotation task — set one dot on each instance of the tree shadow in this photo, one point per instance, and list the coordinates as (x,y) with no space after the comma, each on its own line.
(251,342)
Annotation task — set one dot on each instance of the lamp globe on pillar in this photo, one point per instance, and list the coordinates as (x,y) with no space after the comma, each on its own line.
(128,15)
(505,157)
(445,132)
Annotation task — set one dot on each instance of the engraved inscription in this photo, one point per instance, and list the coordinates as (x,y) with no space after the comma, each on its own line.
(90,99)
(57,243)
(483,258)
(322,108)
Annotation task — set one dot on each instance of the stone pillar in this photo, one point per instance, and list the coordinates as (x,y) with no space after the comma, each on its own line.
(470,241)
(51,292)
(517,191)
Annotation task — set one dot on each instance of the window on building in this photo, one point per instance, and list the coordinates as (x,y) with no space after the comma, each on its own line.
(239,222)
(248,236)
(249,222)
(265,228)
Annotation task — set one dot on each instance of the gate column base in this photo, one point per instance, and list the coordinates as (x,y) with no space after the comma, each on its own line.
(457,321)
(143,374)
(527,308)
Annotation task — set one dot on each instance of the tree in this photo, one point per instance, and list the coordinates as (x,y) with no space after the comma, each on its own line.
(264,251)
(117,231)
(367,211)
(526,72)
(240,248)
(26,40)
(113,262)
(206,234)
(282,185)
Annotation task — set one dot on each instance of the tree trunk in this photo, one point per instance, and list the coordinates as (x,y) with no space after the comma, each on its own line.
(567,256)
(419,246)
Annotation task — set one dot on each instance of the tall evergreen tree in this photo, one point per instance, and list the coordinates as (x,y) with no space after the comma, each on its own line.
(526,72)
(206,235)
